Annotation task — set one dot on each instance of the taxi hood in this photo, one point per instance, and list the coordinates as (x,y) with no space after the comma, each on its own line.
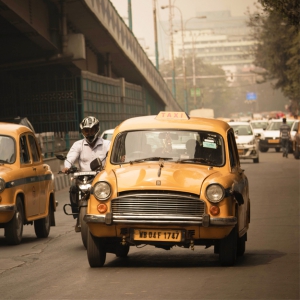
(175,177)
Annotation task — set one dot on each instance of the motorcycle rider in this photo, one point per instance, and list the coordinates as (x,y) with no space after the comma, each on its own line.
(85,150)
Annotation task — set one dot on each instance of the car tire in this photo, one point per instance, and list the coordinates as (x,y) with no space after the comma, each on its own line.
(42,226)
(263,149)
(296,153)
(256,160)
(84,227)
(96,251)
(228,248)
(241,245)
(277,149)
(122,250)
(14,228)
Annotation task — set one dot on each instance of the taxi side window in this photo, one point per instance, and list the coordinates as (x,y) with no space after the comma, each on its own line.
(24,153)
(34,149)
(232,149)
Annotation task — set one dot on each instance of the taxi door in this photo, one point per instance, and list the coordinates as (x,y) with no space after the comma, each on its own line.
(30,183)
(38,167)
(240,187)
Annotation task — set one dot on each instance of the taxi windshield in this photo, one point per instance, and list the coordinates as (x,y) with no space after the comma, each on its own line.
(7,149)
(183,146)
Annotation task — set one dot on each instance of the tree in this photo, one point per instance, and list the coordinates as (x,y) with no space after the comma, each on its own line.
(289,10)
(277,50)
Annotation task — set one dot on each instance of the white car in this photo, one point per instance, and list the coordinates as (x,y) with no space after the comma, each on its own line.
(270,138)
(107,134)
(259,125)
(294,129)
(246,140)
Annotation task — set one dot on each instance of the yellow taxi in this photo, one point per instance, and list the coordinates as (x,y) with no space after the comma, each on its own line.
(26,184)
(169,180)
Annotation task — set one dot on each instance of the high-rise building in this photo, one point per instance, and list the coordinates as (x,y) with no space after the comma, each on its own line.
(217,38)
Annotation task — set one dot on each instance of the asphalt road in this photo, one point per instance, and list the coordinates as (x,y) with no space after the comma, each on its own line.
(57,267)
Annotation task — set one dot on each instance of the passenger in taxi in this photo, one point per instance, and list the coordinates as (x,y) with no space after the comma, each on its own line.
(192,148)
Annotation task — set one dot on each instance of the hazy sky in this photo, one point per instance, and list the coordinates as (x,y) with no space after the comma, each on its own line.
(142,13)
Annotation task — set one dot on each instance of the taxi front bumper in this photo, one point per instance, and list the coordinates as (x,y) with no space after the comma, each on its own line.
(5,208)
(205,220)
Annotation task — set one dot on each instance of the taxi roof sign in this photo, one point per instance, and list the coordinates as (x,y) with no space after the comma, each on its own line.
(172,115)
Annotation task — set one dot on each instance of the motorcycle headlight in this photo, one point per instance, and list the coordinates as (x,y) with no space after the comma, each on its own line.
(84,187)
(102,190)
(215,193)
(2,185)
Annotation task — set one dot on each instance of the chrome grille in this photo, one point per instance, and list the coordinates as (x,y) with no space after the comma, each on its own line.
(157,208)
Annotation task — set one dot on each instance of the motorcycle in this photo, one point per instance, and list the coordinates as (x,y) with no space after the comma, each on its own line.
(82,180)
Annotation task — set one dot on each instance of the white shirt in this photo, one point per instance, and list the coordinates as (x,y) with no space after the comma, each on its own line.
(82,151)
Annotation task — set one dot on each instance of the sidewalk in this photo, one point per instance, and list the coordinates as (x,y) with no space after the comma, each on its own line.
(62,181)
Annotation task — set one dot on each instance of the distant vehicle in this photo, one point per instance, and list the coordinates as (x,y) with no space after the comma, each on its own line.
(295,133)
(202,113)
(270,138)
(107,134)
(246,140)
(259,125)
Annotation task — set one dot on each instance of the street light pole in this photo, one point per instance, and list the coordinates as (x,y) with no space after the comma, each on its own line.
(155,35)
(183,53)
(129,15)
(194,71)
(193,58)
(172,51)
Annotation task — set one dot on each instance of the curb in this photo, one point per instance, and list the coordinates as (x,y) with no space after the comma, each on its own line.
(62,181)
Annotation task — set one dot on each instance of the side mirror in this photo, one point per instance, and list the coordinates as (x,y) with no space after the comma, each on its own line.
(60,156)
(96,164)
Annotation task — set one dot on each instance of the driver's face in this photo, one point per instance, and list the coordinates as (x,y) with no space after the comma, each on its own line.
(89,131)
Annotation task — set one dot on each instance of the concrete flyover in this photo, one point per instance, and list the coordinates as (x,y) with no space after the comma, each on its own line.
(61,60)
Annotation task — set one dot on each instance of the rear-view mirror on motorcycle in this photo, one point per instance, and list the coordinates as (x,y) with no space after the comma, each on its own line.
(60,156)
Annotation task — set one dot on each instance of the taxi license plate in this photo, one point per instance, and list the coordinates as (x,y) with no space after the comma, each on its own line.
(157,235)
(273,141)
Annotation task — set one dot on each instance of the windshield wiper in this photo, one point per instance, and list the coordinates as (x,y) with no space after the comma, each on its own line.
(200,160)
(150,158)
(3,161)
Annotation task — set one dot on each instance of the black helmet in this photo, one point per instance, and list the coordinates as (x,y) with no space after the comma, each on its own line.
(90,129)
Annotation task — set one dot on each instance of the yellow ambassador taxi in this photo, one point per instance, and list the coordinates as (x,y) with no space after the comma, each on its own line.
(169,180)
(26,184)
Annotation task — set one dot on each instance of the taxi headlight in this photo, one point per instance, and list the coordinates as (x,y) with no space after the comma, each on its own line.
(102,190)
(215,193)
(2,185)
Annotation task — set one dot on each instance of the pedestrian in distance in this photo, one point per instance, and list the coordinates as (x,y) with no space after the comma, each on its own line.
(84,151)
(285,136)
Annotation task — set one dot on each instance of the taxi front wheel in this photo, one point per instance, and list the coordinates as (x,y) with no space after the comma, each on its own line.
(228,248)
(96,251)
(14,228)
